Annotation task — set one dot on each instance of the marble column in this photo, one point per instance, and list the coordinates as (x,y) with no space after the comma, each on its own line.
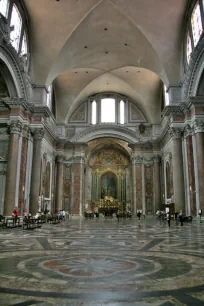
(178,173)
(199,135)
(10,191)
(134,207)
(59,183)
(157,196)
(23,168)
(36,171)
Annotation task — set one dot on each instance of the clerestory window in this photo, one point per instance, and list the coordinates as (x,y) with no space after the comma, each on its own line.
(196,23)
(4,4)
(189,48)
(166,96)
(108,110)
(24,48)
(49,97)
(93,112)
(122,112)
(16,24)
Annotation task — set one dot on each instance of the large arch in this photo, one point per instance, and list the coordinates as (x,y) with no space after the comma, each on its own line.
(10,60)
(103,131)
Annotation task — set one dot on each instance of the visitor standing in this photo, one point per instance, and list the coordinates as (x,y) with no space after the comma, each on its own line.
(181,217)
(139,214)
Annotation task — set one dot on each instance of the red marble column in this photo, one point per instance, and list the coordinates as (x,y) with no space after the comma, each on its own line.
(76,188)
(22,181)
(59,183)
(36,171)
(11,177)
(53,186)
(178,174)
(191,175)
(200,162)
(139,185)
(156,183)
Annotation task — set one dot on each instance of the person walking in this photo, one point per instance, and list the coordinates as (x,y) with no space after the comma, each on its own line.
(118,215)
(169,219)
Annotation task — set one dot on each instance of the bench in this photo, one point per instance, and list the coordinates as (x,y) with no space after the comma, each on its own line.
(31,223)
(12,222)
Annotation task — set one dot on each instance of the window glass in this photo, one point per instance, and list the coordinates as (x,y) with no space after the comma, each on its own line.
(16,23)
(122,112)
(108,110)
(4,7)
(166,96)
(24,48)
(196,22)
(49,97)
(189,47)
(93,112)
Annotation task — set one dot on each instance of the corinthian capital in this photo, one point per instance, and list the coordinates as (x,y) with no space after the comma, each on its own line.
(59,158)
(157,158)
(175,132)
(15,127)
(26,131)
(198,126)
(38,134)
(188,131)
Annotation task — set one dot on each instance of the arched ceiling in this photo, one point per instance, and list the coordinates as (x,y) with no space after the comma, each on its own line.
(119,35)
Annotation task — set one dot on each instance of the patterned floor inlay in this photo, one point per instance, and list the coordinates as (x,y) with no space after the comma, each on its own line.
(91,262)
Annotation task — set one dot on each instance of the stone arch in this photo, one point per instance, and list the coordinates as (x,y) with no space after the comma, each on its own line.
(200,91)
(104,131)
(19,77)
(195,71)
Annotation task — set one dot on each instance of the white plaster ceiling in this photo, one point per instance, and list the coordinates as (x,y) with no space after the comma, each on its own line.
(152,30)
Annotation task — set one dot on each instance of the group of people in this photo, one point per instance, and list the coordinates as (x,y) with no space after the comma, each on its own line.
(178,217)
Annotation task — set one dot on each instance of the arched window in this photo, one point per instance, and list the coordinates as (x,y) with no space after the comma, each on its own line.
(196,23)
(4,4)
(189,48)
(166,96)
(16,24)
(47,181)
(93,112)
(122,112)
(49,97)
(108,110)
(24,47)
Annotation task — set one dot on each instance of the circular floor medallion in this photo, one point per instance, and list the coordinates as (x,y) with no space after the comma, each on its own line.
(93,266)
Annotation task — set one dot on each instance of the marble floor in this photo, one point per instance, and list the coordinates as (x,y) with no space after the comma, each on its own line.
(103,262)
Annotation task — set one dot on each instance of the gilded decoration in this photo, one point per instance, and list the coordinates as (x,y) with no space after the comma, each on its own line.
(110,158)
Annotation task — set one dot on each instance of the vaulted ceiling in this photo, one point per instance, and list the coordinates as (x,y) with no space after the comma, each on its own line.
(90,46)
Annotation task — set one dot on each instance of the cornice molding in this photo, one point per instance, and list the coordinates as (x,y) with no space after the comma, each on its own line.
(172,110)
